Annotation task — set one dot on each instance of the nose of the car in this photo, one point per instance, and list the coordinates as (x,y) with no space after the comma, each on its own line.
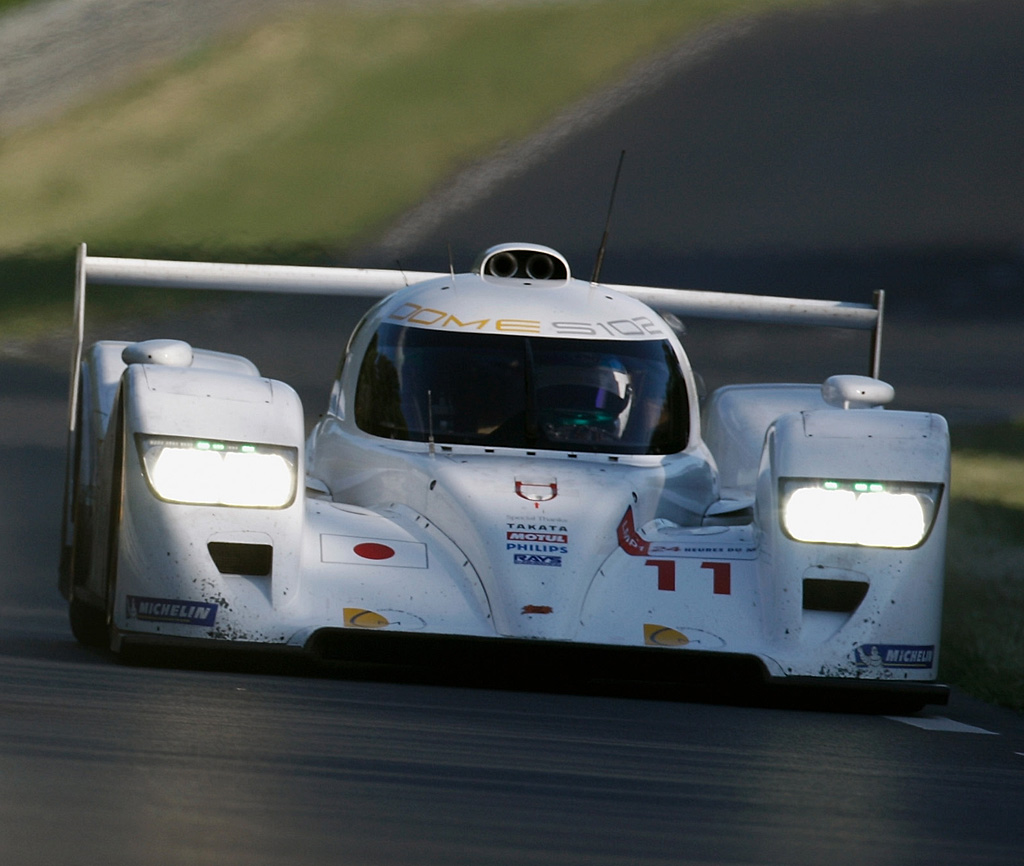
(535,531)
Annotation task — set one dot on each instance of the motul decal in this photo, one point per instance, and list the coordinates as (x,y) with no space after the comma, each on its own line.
(547,537)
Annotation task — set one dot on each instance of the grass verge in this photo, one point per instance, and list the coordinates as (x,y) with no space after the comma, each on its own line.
(309,133)
(983,619)
(315,129)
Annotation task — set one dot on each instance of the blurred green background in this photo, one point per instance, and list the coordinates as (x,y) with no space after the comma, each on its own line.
(304,136)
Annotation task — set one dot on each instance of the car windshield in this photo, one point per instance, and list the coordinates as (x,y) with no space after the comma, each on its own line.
(614,396)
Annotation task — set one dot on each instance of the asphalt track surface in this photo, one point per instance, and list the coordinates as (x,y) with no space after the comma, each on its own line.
(108,763)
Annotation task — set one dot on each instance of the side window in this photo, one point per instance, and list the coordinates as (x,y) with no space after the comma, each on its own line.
(378,395)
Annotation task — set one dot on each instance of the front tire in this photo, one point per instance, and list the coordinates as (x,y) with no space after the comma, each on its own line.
(115,513)
(88,624)
(92,624)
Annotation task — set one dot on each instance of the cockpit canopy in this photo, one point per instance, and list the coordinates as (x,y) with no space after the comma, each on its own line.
(513,391)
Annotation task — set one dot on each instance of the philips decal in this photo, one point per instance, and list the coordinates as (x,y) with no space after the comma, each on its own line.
(537,548)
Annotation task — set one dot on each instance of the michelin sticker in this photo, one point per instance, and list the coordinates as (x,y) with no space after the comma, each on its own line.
(882,655)
(200,613)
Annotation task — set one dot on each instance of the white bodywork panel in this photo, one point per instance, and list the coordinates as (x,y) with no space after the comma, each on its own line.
(679,545)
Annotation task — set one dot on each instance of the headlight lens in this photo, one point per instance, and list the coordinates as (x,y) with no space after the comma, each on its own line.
(214,472)
(866,513)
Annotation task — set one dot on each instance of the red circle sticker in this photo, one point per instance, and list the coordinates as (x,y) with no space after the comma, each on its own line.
(372,550)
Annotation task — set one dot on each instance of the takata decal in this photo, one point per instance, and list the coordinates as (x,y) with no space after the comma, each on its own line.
(881,655)
(199,613)
(352,550)
(537,559)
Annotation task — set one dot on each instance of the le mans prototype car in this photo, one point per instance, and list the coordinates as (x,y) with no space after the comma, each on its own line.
(511,460)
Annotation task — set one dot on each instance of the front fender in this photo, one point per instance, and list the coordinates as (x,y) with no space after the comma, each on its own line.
(867,596)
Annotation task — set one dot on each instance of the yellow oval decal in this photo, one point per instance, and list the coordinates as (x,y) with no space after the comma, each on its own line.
(356,617)
(660,635)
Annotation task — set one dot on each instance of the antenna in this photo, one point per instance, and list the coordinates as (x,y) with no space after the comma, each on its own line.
(451,263)
(430,421)
(876,335)
(607,223)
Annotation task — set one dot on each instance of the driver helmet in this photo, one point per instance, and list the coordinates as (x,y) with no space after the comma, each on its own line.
(595,393)
(614,392)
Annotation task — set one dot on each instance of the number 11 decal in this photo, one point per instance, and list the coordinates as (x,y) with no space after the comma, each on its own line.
(721,573)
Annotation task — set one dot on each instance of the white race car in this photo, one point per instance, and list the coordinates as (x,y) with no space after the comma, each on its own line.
(514,469)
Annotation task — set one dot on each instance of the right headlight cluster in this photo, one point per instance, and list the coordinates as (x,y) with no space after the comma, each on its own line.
(213,472)
(865,513)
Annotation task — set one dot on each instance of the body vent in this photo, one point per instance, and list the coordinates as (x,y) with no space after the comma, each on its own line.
(230,557)
(835,596)
(528,262)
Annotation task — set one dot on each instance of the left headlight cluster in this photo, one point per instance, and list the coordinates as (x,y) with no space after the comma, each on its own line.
(865,513)
(215,472)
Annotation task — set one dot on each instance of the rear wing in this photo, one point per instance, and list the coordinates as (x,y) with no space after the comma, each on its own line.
(376,283)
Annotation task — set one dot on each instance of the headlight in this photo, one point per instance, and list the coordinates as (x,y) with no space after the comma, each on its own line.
(213,472)
(867,513)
